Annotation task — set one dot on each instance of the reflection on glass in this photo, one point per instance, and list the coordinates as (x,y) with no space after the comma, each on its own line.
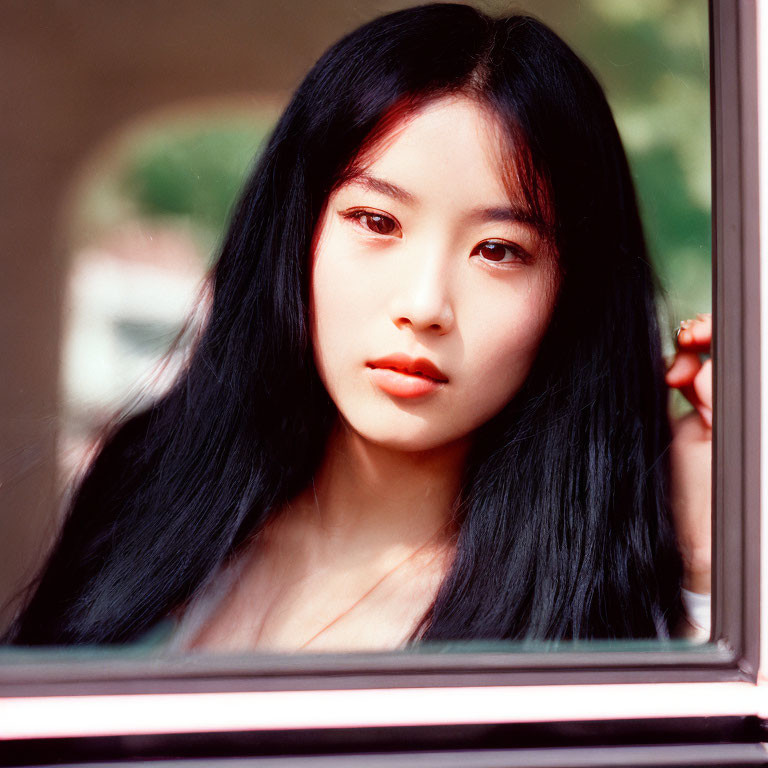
(425,400)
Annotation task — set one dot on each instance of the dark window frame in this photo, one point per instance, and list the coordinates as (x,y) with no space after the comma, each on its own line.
(734,652)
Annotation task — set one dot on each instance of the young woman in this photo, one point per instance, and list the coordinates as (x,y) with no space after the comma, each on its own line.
(429,401)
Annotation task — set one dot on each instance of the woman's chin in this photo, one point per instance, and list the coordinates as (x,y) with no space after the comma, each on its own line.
(408,435)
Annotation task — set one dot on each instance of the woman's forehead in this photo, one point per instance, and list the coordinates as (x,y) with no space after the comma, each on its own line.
(453,151)
(450,138)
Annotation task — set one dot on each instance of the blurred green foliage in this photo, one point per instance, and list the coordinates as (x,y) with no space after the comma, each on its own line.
(194,170)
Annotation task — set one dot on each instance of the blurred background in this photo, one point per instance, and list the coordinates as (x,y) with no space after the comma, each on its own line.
(128,130)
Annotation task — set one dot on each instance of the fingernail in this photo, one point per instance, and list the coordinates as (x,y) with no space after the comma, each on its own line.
(706,414)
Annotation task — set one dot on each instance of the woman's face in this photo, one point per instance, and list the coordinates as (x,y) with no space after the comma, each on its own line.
(430,293)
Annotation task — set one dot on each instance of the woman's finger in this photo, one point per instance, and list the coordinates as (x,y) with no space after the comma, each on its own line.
(702,330)
(687,373)
(703,409)
(696,335)
(683,369)
(690,395)
(702,384)
(698,392)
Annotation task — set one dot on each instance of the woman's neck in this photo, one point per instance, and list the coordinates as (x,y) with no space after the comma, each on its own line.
(366,494)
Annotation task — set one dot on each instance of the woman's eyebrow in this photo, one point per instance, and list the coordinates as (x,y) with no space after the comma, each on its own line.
(364,179)
(512,213)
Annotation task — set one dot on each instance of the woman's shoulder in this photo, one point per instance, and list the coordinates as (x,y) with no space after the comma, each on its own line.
(178,631)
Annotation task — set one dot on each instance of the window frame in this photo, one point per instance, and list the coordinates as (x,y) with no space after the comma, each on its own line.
(733,654)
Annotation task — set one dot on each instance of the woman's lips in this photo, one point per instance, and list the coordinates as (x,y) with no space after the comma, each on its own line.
(404,376)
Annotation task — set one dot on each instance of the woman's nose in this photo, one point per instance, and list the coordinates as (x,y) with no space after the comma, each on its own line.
(422,296)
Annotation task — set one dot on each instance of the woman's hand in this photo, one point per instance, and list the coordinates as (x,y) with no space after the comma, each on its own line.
(691,453)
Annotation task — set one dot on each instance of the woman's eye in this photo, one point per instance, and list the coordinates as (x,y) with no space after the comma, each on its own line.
(374,222)
(499,253)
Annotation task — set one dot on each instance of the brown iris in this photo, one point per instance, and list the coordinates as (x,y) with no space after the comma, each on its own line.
(493,251)
(381,225)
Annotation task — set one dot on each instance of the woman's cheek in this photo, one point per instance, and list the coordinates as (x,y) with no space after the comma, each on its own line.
(501,373)
(341,299)
(506,345)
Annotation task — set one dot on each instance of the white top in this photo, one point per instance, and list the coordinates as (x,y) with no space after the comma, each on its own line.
(698,607)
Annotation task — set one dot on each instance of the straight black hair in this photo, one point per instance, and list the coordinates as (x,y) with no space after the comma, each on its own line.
(565,528)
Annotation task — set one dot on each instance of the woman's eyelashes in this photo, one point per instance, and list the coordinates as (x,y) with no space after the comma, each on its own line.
(500,252)
(374,222)
(496,252)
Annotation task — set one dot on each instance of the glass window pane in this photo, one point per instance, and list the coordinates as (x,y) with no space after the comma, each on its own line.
(370,358)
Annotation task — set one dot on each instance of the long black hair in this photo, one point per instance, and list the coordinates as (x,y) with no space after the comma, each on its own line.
(565,530)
